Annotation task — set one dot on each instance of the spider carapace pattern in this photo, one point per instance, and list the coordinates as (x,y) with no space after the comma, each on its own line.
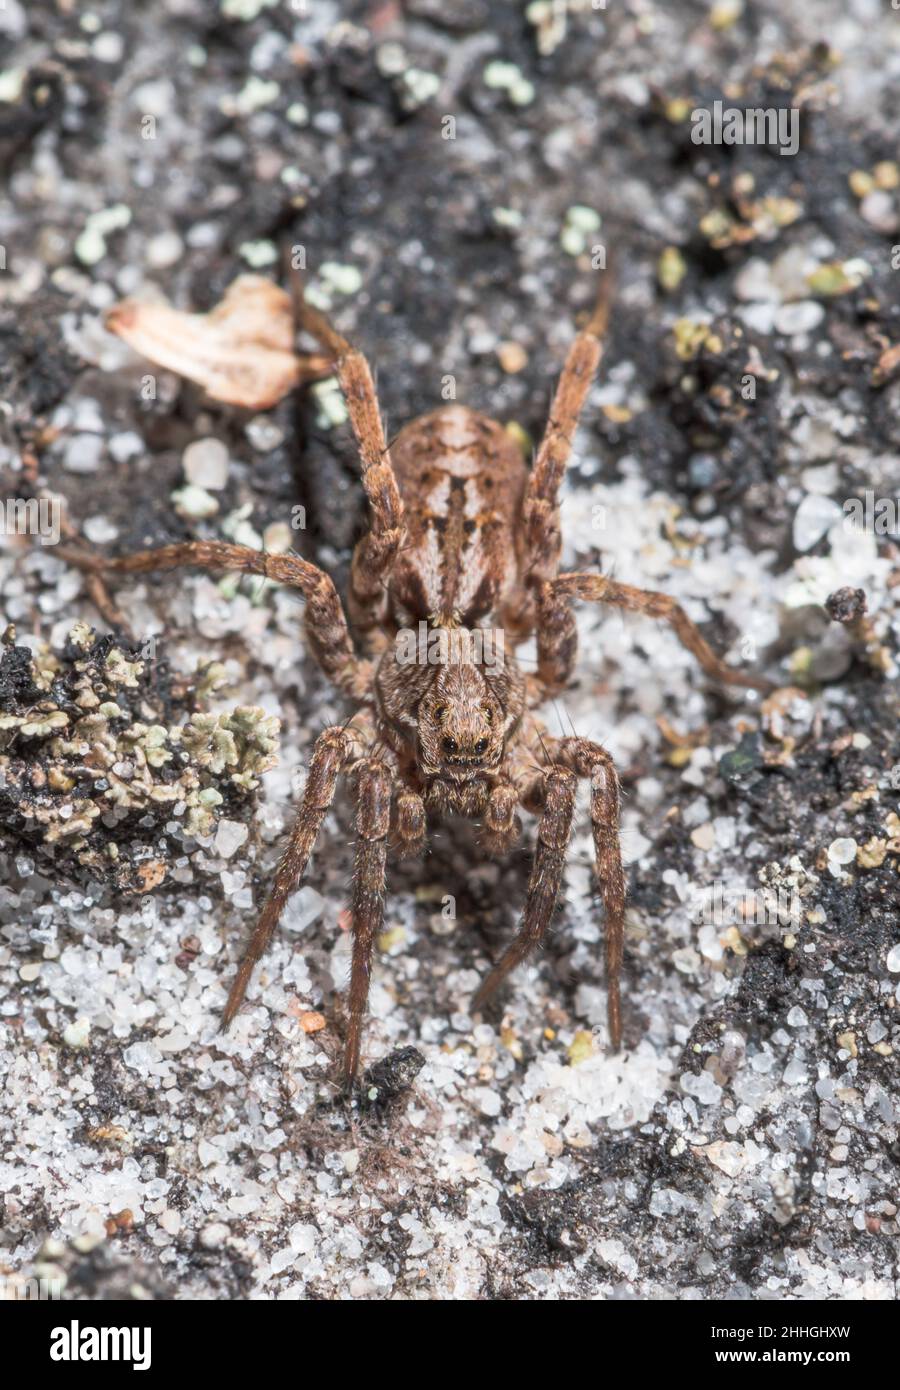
(463,546)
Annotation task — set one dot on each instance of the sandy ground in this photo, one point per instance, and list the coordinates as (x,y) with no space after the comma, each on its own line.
(744,1144)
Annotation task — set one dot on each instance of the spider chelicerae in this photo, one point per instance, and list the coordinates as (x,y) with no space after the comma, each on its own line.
(463,549)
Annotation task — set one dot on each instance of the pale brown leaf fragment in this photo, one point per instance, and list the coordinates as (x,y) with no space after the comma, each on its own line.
(241,352)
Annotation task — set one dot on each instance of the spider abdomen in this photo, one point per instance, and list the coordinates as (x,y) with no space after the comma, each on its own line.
(462,478)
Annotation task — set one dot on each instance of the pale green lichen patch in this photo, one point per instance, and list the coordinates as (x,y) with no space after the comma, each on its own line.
(237,745)
(101,759)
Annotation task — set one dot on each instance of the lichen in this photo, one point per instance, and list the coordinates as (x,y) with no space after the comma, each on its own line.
(97,763)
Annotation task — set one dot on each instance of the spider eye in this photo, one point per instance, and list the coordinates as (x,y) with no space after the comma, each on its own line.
(450,745)
(439,711)
(481,745)
(489,714)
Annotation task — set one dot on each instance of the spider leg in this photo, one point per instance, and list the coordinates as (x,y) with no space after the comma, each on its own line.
(409,825)
(374,556)
(373,816)
(335,748)
(544,884)
(324,621)
(588,759)
(100,597)
(96,589)
(557,637)
(502,826)
(540,507)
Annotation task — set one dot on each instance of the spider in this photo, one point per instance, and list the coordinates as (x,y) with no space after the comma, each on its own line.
(463,551)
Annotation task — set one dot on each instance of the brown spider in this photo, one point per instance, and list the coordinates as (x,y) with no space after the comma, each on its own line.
(463,550)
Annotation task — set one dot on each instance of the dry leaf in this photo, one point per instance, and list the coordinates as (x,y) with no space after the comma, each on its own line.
(241,352)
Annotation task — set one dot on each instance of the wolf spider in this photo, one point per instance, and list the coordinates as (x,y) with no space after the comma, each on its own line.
(463,543)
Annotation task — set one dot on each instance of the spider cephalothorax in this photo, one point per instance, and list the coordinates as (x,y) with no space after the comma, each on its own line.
(452,712)
(460,564)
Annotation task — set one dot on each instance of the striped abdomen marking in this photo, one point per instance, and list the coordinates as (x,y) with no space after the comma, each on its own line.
(461,476)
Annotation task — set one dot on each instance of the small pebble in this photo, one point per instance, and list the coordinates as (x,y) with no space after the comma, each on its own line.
(814,517)
(488,1101)
(77,1033)
(730,1158)
(230,835)
(754,282)
(87,416)
(164,250)
(205,464)
(214,1235)
(390,59)
(760,317)
(277,538)
(703,469)
(303,909)
(11,84)
(154,98)
(83,453)
(99,530)
(879,209)
(704,837)
(125,446)
(512,357)
(264,434)
(108,47)
(194,502)
(801,317)
(303,1237)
